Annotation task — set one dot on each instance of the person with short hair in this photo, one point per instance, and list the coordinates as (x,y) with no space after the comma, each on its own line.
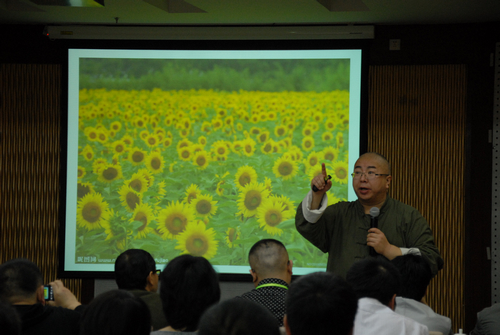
(116,312)
(376,282)
(343,230)
(21,285)
(320,303)
(135,271)
(271,271)
(189,285)
(415,277)
(238,316)
(488,321)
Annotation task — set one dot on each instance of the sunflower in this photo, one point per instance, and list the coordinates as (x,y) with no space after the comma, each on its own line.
(244,176)
(148,175)
(118,146)
(202,140)
(88,153)
(197,240)
(129,197)
(327,136)
(340,139)
(220,149)
(161,188)
(155,162)
(255,131)
(173,220)
(185,153)
(116,126)
(330,154)
(280,130)
(138,183)
(192,193)
(340,172)
(331,123)
(102,136)
(98,165)
(92,211)
(82,189)
(129,140)
(267,147)
(248,147)
(144,214)
(285,168)
(333,200)
(232,234)
(143,134)
(307,131)
(251,197)
(313,159)
(109,173)
(81,172)
(152,140)
(183,143)
(201,159)
(204,206)
(263,136)
(167,142)
(219,189)
(307,143)
(136,156)
(270,215)
(290,207)
(91,133)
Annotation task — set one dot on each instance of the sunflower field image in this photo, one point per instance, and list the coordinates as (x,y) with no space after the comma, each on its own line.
(207,156)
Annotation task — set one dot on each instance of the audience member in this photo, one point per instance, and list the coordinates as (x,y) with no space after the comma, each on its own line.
(63,297)
(376,283)
(10,323)
(320,303)
(116,312)
(21,285)
(188,287)
(415,277)
(238,316)
(135,271)
(271,271)
(488,321)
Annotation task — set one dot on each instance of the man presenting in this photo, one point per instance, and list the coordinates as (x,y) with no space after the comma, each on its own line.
(343,229)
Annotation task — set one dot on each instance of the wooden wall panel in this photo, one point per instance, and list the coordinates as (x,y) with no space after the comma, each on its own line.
(416,119)
(30,114)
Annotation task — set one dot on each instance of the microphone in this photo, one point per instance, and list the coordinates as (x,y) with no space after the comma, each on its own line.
(374,213)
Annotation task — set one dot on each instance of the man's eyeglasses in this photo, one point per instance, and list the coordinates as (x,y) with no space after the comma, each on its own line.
(368,174)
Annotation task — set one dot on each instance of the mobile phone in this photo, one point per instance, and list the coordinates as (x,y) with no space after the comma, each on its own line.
(48,293)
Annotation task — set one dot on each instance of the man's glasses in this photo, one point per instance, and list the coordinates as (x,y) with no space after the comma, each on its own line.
(368,174)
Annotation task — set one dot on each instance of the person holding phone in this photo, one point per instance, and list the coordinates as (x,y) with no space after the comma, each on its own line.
(21,285)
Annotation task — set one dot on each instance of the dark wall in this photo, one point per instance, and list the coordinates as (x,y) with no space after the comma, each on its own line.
(469,44)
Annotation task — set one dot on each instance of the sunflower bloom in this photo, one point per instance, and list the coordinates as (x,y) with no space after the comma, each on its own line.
(312,160)
(307,143)
(109,173)
(137,156)
(155,162)
(192,192)
(220,149)
(197,240)
(88,153)
(340,172)
(92,211)
(244,176)
(144,214)
(118,146)
(251,197)
(232,235)
(129,197)
(81,172)
(138,183)
(330,154)
(270,215)
(327,136)
(285,168)
(173,220)
(248,147)
(201,159)
(82,189)
(204,206)
(280,130)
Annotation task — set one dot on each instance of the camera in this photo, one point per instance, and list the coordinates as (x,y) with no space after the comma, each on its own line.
(48,293)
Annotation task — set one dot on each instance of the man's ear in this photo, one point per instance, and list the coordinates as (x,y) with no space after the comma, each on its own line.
(290,267)
(392,303)
(388,182)
(40,295)
(287,327)
(254,276)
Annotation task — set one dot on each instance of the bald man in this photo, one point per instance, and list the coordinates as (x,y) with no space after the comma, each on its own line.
(343,230)
(271,271)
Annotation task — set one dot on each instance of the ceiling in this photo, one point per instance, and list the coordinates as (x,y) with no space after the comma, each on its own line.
(248,12)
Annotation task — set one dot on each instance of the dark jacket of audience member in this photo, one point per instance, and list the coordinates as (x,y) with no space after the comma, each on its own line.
(135,271)
(189,286)
(320,303)
(10,322)
(21,285)
(116,312)
(488,321)
(238,316)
